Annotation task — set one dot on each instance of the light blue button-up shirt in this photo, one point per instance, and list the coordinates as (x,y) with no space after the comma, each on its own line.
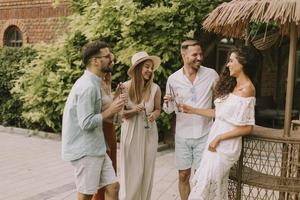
(82,132)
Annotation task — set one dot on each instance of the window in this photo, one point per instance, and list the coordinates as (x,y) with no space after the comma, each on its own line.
(13,37)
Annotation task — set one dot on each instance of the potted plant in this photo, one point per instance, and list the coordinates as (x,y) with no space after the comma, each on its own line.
(263,35)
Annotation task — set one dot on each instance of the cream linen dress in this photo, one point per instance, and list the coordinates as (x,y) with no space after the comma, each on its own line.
(211,178)
(137,153)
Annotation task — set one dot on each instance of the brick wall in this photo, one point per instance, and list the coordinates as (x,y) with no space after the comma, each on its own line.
(38,20)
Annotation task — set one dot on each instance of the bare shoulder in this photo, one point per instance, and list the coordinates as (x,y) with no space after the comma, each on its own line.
(157,97)
(248,90)
(156,89)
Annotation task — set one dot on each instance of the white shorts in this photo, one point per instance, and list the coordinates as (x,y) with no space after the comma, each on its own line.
(188,151)
(92,173)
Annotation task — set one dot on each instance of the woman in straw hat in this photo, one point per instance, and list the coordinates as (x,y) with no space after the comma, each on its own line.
(234,118)
(139,136)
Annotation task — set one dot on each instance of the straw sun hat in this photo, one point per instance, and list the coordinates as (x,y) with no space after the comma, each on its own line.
(141,56)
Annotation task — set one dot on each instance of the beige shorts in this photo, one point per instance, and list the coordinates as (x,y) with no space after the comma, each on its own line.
(92,173)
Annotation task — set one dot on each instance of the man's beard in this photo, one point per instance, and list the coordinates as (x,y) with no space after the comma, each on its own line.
(107,69)
(197,64)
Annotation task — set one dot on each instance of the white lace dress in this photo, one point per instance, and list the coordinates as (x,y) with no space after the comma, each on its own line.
(211,178)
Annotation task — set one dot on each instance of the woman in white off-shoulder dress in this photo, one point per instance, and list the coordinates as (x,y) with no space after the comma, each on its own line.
(234,118)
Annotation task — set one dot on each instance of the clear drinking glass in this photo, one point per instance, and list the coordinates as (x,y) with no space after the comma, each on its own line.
(178,100)
(145,114)
(118,116)
(146,122)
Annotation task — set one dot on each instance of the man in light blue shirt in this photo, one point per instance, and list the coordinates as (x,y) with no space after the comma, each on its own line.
(83,141)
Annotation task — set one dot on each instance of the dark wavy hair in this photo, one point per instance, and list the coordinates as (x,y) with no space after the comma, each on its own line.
(249,58)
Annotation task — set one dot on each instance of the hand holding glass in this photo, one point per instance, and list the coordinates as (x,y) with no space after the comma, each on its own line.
(178,102)
(121,97)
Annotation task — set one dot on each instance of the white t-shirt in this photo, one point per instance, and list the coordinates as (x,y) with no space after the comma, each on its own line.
(197,94)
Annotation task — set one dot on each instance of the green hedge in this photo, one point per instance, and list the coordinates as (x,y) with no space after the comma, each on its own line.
(47,80)
(11,61)
(157,27)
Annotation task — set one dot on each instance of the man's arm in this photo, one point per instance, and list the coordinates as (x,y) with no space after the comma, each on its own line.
(87,118)
(115,107)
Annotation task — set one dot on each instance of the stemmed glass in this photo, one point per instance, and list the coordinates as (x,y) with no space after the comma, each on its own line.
(118,116)
(176,98)
(178,102)
(146,122)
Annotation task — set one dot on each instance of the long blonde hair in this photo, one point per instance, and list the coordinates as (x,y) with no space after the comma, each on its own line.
(140,89)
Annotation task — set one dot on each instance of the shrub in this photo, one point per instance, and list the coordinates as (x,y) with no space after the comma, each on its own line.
(155,26)
(12,60)
(47,80)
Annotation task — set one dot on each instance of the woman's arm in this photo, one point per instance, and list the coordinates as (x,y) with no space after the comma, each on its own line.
(237,132)
(197,111)
(156,112)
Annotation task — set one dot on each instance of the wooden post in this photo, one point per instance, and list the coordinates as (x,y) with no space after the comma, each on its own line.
(289,100)
(290,80)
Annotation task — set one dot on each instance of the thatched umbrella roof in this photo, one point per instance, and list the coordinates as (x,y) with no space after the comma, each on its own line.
(232,18)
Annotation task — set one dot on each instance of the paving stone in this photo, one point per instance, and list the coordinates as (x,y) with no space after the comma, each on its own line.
(31,169)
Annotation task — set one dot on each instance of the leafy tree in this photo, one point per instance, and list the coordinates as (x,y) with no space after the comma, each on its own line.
(47,80)
(155,26)
(12,60)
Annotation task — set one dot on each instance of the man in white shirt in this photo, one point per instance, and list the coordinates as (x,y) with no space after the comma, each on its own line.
(193,85)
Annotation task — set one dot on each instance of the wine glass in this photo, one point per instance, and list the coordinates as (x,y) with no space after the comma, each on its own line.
(146,122)
(118,116)
(178,102)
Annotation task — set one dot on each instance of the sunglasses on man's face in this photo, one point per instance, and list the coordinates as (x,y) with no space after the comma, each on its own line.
(108,56)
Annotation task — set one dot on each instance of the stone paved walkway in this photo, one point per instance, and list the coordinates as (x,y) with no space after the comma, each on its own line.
(31,169)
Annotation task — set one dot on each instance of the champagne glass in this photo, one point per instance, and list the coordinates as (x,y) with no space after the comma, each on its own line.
(178,102)
(174,98)
(146,122)
(118,116)
(177,99)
